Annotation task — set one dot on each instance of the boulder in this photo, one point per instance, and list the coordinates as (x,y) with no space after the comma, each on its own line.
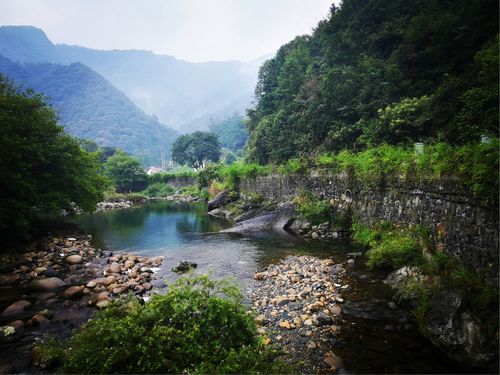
(74,259)
(73,292)
(15,310)
(184,266)
(115,267)
(48,283)
(40,321)
(220,200)
(277,220)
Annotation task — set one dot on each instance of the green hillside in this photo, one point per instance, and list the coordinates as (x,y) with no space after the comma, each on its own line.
(380,71)
(90,107)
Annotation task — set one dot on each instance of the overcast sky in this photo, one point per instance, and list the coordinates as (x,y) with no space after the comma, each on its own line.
(193,30)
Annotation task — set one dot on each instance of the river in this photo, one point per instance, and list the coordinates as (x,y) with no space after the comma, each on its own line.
(374,337)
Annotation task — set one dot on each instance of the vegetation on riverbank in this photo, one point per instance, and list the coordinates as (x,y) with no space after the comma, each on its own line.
(199,326)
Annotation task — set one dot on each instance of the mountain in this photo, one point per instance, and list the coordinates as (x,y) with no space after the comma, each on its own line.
(90,107)
(182,94)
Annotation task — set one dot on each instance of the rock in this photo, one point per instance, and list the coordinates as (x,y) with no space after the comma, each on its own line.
(314,235)
(277,220)
(312,345)
(17,309)
(115,267)
(109,280)
(333,361)
(129,264)
(74,259)
(336,310)
(260,275)
(7,334)
(220,200)
(324,319)
(103,304)
(40,321)
(49,283)
(184,266)
(392,305)
(351,262)
(73,292)
(285,324)
(91,284)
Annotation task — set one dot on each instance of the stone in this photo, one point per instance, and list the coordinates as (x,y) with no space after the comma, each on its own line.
(184,266)
(7,334)
(109,280)
(324,319)
(73,292)
(91,284)
(285,324)
(336,310)
(40,321)
(260,275)
(333,361)
(74,259)
(260,318)
(129,264)
(312,345)
(314,235)
(103,304)
(115,267)
(48,283)
(220,200)
(16,309)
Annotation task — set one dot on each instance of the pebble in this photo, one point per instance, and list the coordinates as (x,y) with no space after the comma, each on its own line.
(74,259)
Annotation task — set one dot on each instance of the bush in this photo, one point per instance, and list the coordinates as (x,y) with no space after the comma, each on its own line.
(158,189)
(199,326)
(394,251)
(311,209)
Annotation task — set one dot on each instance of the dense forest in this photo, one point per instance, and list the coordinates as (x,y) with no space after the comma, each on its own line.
(378,71)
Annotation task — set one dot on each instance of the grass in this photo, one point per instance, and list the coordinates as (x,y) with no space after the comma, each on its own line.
(158,189)
(198,326)
(312,209)
(113,196)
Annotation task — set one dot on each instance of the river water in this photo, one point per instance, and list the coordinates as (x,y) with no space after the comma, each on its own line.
(374,338)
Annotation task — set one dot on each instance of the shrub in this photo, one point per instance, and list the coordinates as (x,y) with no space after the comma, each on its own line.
(199,326)
(311,209)
(394,251)
(195,191)
(158,189)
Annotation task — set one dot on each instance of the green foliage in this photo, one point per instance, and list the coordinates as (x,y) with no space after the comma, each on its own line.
(312,209)
(294,165)
(195,191)
(158,189)
(42,170)
(125,172)
(394,251)
(198,326)
(196,148)
(113,196)
(231,132)
(373,73)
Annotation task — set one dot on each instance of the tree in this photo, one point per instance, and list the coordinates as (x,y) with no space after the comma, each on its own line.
(125,172)
(196,148)
(42,170)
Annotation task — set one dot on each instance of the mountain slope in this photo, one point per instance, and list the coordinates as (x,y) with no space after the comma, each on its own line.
(90,107)
(182,94)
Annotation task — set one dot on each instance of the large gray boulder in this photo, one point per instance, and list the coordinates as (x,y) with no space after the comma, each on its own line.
(220,200)
(274,221)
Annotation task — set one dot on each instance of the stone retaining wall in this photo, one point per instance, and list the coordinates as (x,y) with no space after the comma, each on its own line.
(181,182)
(458,223)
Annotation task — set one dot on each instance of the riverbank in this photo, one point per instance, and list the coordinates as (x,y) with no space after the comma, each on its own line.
(57,287)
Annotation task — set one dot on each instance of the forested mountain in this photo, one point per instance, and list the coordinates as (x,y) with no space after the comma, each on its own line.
(379,71)
(90,107)
(183,95)
(231,132)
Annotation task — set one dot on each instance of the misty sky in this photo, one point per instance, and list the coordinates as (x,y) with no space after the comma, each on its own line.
(193,30)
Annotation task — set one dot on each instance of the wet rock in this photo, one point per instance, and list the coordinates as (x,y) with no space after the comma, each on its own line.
(109,280)
(74,259)
(17,309)
(49,283)
(40,321)
(277,221)
(115,267)
(184,266)
(220,200)
(73,292)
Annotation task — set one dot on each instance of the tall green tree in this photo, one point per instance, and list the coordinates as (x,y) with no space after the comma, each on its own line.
(42,170)
(196,148)
(125,172)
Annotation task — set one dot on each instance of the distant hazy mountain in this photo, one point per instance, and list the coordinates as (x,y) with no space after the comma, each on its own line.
(90,107)
(183,95)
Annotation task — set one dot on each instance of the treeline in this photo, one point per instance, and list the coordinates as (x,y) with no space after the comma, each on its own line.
(379,71)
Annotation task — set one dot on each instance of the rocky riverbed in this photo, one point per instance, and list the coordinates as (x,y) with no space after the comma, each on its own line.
(57,287)
(298,303)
